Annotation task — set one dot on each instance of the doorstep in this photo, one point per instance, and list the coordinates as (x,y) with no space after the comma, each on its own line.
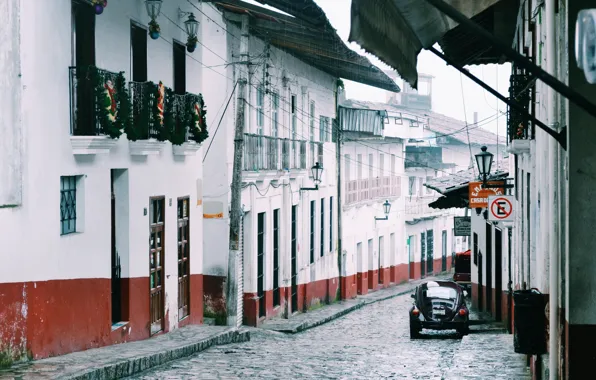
(327,313)
(126,359)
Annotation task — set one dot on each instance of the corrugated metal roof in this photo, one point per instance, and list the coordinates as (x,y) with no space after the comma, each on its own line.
(361,120)
(396,30)
(309,36)
(438,123)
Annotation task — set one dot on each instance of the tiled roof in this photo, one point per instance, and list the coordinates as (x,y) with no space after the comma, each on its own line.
(438,123)
(461,179)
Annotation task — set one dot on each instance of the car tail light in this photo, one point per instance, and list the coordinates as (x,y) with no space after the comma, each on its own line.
(463,312)
(415,312)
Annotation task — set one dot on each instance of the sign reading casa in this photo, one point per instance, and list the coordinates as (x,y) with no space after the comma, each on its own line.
(478,196)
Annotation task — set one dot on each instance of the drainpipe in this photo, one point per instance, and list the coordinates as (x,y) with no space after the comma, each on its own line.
(553,364)
(339,187)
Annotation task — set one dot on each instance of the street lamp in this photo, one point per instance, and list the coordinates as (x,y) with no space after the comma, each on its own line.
(386,210)
(317,171)
(484,160)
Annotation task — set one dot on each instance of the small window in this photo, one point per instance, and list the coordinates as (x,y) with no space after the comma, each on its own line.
(386,120)
(312,121)
(260,110)
(294,116)
(68,205)
(275,114)
(324,129)
(414,123)
(398,120)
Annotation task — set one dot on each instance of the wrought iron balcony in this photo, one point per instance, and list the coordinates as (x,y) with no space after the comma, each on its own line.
(93,100)
(520,89)
(147,112)
(273,153)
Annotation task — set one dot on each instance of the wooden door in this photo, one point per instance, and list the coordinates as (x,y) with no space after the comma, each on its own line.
(156,263)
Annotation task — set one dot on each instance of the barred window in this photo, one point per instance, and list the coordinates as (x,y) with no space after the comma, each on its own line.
(68,204)
(260,109)
(275,115)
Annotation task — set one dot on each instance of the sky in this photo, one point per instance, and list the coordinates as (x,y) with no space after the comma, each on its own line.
(452,92)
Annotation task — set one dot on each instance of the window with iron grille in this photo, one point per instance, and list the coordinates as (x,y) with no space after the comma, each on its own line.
(276,236)
(322,253)
(260,110)
(312,121)
(68,205)
(330,224)
(275,115)
(312,232)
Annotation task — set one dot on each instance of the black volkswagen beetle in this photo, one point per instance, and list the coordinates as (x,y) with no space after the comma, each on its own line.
(439,305)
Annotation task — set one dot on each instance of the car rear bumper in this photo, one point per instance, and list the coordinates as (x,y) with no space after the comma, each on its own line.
(432,325)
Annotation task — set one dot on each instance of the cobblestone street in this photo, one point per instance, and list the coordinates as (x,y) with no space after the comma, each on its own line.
(370,343)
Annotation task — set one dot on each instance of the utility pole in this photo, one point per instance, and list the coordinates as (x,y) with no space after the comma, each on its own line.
(235,207)
(339,209)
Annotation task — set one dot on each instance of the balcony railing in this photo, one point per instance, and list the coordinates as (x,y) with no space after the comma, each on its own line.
(88,91)
(273,153)
(144,103)
(369,189)
(520,91)
(182,106)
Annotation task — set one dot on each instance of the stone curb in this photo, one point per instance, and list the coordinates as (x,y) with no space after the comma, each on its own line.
(310,324)
(135,365)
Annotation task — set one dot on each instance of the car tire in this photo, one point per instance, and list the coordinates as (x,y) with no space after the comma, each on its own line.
(414,333)
(464,331)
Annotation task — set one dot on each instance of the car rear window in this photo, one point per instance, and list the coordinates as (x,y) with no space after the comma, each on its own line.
(441,292)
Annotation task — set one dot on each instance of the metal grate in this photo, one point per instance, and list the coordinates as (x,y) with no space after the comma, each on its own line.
(68,205)
(519,91)
(85,83)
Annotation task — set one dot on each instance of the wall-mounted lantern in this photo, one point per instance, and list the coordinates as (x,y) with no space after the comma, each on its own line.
(192,26)
(316,172)
(386,210)
(153,10)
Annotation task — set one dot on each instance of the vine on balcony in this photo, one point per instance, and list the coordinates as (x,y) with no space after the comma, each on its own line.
(113,101)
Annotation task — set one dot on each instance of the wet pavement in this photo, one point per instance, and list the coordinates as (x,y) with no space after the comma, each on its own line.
(370,343)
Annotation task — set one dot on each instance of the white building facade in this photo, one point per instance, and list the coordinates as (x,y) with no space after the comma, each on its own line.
(289,224)
(373,250)
(108,230)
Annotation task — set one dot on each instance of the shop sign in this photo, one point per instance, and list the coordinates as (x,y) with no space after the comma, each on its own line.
(478,196)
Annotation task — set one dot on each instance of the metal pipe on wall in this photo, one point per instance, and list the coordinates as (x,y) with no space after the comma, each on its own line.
(553,199)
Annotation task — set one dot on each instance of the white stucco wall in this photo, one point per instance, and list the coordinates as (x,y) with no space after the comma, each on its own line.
(358,223)
(33,229)
(267,191)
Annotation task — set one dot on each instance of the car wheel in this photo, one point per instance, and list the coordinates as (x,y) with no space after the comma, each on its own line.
(414,333)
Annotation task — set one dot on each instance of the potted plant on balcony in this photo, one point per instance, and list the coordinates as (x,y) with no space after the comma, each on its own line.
(188,138)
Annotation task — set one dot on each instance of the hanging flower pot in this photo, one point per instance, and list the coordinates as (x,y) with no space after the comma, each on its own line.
(99,5)
(154,30)
(191,43)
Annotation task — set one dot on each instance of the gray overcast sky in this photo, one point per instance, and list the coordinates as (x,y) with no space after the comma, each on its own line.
(449,89)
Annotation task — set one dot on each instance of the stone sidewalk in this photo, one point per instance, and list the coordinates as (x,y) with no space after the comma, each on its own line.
(121,360)
(304,321)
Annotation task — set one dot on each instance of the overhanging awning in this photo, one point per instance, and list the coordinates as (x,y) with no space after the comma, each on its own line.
(397,30)
(307,35)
